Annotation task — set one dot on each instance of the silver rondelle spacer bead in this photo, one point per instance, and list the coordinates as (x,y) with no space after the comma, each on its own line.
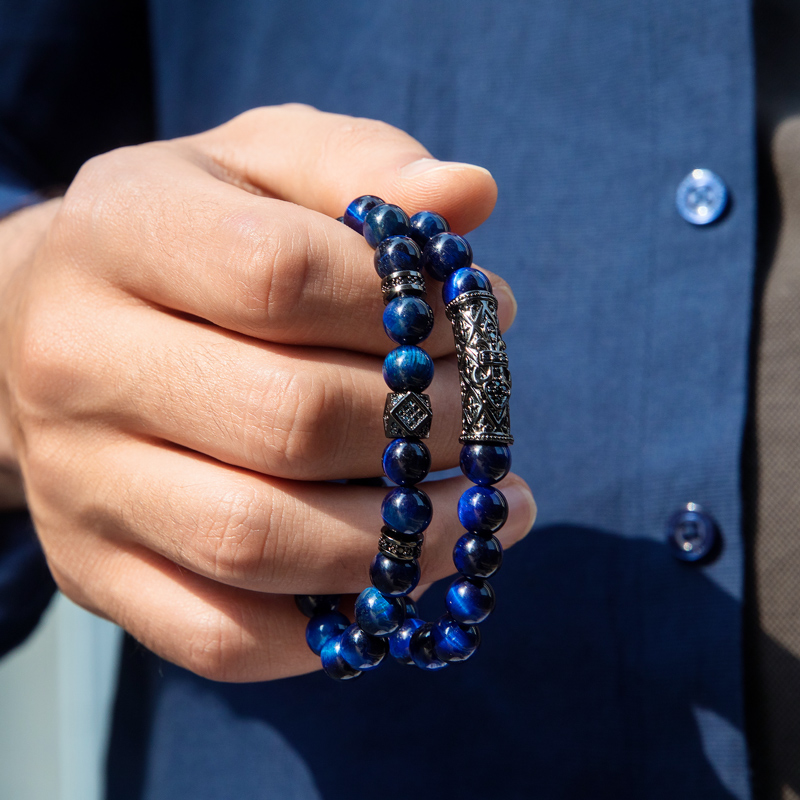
(406,282)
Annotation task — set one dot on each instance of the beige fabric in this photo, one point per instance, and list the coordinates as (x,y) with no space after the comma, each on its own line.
(776,548)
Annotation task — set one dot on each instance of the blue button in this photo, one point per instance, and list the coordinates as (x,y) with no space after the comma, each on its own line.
(692,533)
(701,197)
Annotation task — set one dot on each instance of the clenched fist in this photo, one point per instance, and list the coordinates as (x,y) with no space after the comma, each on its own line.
(191,351)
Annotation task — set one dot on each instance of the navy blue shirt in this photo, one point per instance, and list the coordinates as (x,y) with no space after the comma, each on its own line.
(611,669)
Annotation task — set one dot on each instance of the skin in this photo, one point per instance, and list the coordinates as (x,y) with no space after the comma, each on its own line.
(191,348)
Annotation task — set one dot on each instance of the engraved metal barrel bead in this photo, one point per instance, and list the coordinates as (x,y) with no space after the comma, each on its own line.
(482,367)
(407,414)
(395,544)
(408,282)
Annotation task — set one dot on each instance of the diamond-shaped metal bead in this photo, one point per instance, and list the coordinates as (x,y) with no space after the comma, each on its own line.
(407,414)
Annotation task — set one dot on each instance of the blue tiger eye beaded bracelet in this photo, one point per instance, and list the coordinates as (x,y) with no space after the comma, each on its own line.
(386,619)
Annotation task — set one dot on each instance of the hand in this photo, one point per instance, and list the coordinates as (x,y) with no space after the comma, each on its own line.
(191,347)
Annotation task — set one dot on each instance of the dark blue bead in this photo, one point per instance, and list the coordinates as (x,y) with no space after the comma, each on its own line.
(392,576)
(482,509)
(340,219)
(408,369)
(333,662)
(323,627)
(470,600)
(406,461)
(407,320)
(362,651)
(485,464)
(462,281)
(411,608)
(397,254)
(313,604)
(384,221)
(422,648)
(476,556)
(453,641)
(425,225)
(445,253)
(377,614)
(407,510)
(358,209)
(401,638)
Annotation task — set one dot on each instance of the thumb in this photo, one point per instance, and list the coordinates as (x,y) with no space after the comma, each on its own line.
(323,161)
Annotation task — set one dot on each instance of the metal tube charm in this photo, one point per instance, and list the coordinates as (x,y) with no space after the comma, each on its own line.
(482,368)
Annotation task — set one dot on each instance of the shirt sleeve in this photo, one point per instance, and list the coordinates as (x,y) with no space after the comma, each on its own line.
(26,585)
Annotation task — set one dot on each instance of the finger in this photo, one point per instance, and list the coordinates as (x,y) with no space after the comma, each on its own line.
(294,412)
(323,161)
(216,631)
(265,268)
(253,532)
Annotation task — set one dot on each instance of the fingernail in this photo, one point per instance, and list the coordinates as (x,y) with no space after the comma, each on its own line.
(423,165)
(506,305)
(521,513)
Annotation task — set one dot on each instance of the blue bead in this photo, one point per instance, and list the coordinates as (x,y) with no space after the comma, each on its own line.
(407,320)
(323,627)
(406,461)
(393,576)
(485,464)
(358,209)
(384,221)
(422,648)
(482,509)
(397,254)
(454,642)
(425,225)
(411,608)
(477,557)
(470,600)
(362,651)
(445,253)
(462,281)
(408,369)
(407,510)
(377,614)
(333,662)
(401,638)
(315,604)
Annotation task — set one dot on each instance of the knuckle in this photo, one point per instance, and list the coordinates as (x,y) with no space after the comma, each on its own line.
(215,644)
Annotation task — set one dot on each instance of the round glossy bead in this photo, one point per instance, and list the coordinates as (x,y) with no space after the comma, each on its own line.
(313,604)
(392,576)
(470,600)
(407,320)
(397,254)
(384,221)
(333,662)
(453,641)
(476,556)
(358,209)
(362,651)
(377,614)
(408,369)
(323,627)
(407,510)
(425,225)
(411,608)
(445,253)
(401,638)
(485,464)
(422,648)
(406,461)
(482,509)
(462,281)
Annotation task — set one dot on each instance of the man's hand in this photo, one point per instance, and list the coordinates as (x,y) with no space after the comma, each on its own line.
(191,348)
